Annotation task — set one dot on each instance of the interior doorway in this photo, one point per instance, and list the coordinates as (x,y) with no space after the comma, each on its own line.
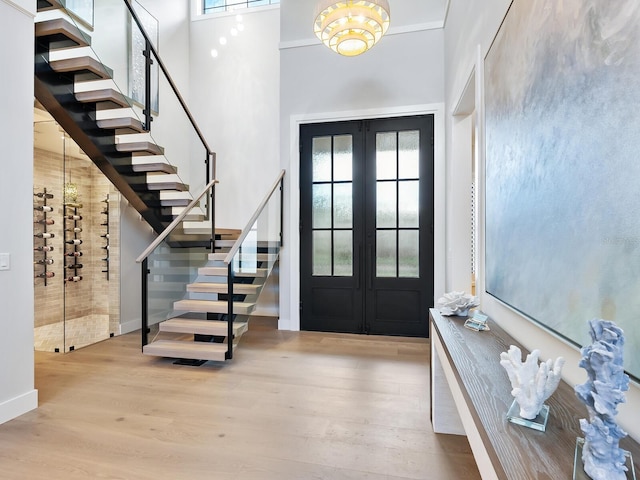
(366,225)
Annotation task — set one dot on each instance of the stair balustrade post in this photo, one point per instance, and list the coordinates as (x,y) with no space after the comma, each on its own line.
(145,302)
(147,85)
(230,278)
(281,211)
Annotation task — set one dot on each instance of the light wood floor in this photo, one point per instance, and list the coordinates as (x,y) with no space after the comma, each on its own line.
(291,406)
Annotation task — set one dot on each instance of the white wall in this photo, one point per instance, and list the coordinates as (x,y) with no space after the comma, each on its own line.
(135,236)
(469,25)
(17,394)
(403,74)
(238,106)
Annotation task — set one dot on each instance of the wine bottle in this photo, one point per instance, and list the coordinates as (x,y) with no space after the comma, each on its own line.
(44,248)
(106,259)
(74,217)
(44,261)
(46,275)
(43,195)
(105,212)
(104,224)
(74,241)
(74,254)
(73,205)
(75,265)
(106,247)
(43,208)
(44,235)
(106,235)
(74,229)
(74,278)
(46,221)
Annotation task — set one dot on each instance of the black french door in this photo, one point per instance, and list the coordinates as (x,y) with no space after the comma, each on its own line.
(366,226)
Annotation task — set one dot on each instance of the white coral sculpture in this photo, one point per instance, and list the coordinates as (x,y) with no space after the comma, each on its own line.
(457,303)
(532,383)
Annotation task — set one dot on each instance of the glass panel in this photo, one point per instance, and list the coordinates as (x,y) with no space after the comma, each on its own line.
(321,210)
(342,158)
(386,167)
(409,203)
(343,253)
(82,8)
(408,254)
(409,154)
(322,252)
(342,205)
(386,253)
(321,158)
(386,205)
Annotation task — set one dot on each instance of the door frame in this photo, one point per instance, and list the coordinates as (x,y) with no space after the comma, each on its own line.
(293,174)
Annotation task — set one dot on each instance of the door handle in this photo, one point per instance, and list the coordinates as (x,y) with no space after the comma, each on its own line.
(358,270)
(369,266)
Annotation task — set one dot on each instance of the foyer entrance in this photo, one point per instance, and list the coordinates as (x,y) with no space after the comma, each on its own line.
(366,226)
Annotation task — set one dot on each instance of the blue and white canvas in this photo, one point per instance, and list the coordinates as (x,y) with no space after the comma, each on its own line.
(562,104)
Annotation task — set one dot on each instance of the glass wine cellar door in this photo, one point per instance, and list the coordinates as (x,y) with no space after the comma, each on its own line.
(366,216)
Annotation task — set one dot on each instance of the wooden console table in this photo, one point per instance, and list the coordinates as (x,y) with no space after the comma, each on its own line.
(471,393)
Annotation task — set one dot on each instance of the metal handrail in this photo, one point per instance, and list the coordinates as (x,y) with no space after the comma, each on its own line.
(165,233)
(169,79)
(236,246)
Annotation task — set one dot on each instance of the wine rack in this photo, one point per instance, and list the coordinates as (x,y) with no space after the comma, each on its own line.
(72,241)
(105,224)
(41,206)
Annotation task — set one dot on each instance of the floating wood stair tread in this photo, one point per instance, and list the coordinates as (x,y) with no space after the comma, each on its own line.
(122,125)
(106,98)
(154,167)
(208,287)
(156,186)
(140,148)
(191,350)
(222,272)
(84,68)
(213,306)
(202,327)
(61,34)
(44,5)
(259,257)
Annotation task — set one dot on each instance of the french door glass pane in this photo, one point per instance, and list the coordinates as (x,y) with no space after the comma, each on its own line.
(386,253)
(386,158)
(322,252)
(321,158)
(321,213)
(409,203)
(342,158)
(386,203)
(409,154)
(342,205)
(343,253)
(408,253)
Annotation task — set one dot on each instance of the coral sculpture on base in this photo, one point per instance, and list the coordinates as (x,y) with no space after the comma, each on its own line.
(532,383)
(602,458)
(457,303)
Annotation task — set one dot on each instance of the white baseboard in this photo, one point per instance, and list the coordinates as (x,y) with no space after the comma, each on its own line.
(19,405)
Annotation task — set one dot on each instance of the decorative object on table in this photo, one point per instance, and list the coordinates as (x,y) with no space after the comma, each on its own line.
(602,458)
(532,384)
(457,303)
(477,321)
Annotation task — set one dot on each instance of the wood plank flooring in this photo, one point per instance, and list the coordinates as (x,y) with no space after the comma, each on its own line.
(291,406)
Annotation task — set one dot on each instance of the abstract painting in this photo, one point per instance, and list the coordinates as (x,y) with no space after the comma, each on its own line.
(562,116)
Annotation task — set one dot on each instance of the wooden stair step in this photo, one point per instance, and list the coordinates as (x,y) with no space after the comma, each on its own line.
(140,148)
(213,306)
(208,287)
(156,186)
(44,5)
(202,327)
(105,99)
(60,33)
(84,68)
(183,349)
(222,272)
(259,257)
(122,126)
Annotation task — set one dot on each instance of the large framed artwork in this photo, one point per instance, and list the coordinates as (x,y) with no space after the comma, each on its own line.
(562,116)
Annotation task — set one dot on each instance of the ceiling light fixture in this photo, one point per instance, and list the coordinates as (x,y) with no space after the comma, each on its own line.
(351,27)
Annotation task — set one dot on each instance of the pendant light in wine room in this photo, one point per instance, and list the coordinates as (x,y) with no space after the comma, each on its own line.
(351,27)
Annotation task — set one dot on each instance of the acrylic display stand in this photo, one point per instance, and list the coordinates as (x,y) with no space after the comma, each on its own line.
(578,468)
(539,423)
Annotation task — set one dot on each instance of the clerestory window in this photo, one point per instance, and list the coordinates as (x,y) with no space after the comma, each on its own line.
(217,6)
